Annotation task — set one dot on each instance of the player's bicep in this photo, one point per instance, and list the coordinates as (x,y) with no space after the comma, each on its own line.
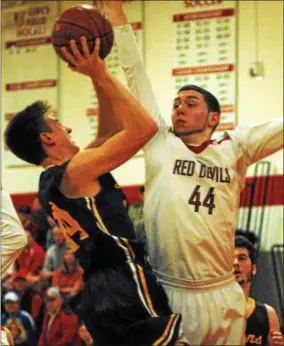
(273,319)
(90,164)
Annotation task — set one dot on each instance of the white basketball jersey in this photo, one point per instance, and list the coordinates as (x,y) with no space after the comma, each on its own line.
(192,199)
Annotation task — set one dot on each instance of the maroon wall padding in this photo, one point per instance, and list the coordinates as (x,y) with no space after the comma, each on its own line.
(274,195)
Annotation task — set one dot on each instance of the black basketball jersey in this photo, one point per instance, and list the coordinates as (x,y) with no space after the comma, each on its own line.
(91,226)
(257,329)
(122,303)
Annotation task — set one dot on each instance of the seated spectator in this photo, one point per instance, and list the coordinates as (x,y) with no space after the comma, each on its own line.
(31,260)
(85,337)
(25,215)
(60,326)
(30,300)
(135,211)
(49,234)
(18,321)
(69,277)
(54,255)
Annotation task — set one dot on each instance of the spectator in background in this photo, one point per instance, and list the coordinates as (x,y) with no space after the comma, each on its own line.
(14,316)
(262,320)
(30,300)
(54,255)
(60,326)
(135,211)
(85,337)
(69,277)
(25,215)
(49,235)
(31,260)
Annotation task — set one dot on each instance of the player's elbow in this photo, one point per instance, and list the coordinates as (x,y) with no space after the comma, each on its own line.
(149,131)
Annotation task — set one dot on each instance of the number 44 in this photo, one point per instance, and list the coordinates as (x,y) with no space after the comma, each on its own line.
(208,200)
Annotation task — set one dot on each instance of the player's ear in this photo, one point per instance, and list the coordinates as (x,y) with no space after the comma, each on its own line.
(213,119)
(46,138)
(254,269)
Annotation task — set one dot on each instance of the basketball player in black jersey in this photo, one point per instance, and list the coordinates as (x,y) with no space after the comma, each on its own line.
(262,320)
(122,302)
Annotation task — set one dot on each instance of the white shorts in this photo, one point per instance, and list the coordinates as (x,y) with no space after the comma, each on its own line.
(213,314)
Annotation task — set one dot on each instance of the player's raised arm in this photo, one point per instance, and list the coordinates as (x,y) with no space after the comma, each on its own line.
(13,236)
(131,60)
(138,126)
(262,140)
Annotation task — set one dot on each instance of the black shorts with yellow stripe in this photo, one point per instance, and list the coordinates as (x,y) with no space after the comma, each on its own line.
(125,305)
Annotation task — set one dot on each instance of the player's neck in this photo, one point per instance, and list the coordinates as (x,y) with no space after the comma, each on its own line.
(195,139)
(246,289)
(56,159)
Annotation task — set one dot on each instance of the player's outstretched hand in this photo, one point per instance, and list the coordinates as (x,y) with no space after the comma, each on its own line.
(113,10)
(275,338)
(88,64)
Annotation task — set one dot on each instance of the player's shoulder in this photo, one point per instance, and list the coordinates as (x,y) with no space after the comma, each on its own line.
(270,310)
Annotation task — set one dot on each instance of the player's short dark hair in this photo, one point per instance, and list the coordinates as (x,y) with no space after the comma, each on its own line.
(211,101)
(142,189)
(243,242)
(22,135)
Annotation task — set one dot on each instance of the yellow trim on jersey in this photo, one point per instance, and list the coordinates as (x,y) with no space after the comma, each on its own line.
(166,331)
(146,291)
(97,215)
(129,247)
(142,289)
(250,307)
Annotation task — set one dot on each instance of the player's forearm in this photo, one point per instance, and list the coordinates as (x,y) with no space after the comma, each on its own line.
(264,140)
(108,123)
(125,106)
(134,70)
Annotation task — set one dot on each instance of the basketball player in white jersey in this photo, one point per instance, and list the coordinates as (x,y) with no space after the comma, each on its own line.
(193,187)
(13,241)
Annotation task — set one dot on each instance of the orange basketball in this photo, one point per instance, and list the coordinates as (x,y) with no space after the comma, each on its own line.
(78,21)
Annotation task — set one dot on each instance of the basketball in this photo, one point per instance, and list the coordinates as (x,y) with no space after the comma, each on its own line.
(78,21)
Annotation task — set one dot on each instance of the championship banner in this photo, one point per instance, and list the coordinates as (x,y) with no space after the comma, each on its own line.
(134,10)
(205,52)
(29,62)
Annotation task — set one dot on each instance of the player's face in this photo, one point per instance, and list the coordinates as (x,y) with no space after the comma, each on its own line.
(243,267)
(60,136)
(190,113)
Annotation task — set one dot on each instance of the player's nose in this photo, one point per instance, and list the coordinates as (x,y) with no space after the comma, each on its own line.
(235,261)
(68,130)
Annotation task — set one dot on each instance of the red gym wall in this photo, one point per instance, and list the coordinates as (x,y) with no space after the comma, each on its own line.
(273,198)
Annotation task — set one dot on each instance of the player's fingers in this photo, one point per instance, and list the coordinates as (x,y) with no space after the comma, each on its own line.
(75,51)
(97,47)
(73,68)
(85,47)
(68,56)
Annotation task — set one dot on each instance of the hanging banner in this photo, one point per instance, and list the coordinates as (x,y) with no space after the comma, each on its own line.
(30,65)
(205,52)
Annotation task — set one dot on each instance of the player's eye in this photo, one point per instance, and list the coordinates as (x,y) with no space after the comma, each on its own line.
(176,105)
